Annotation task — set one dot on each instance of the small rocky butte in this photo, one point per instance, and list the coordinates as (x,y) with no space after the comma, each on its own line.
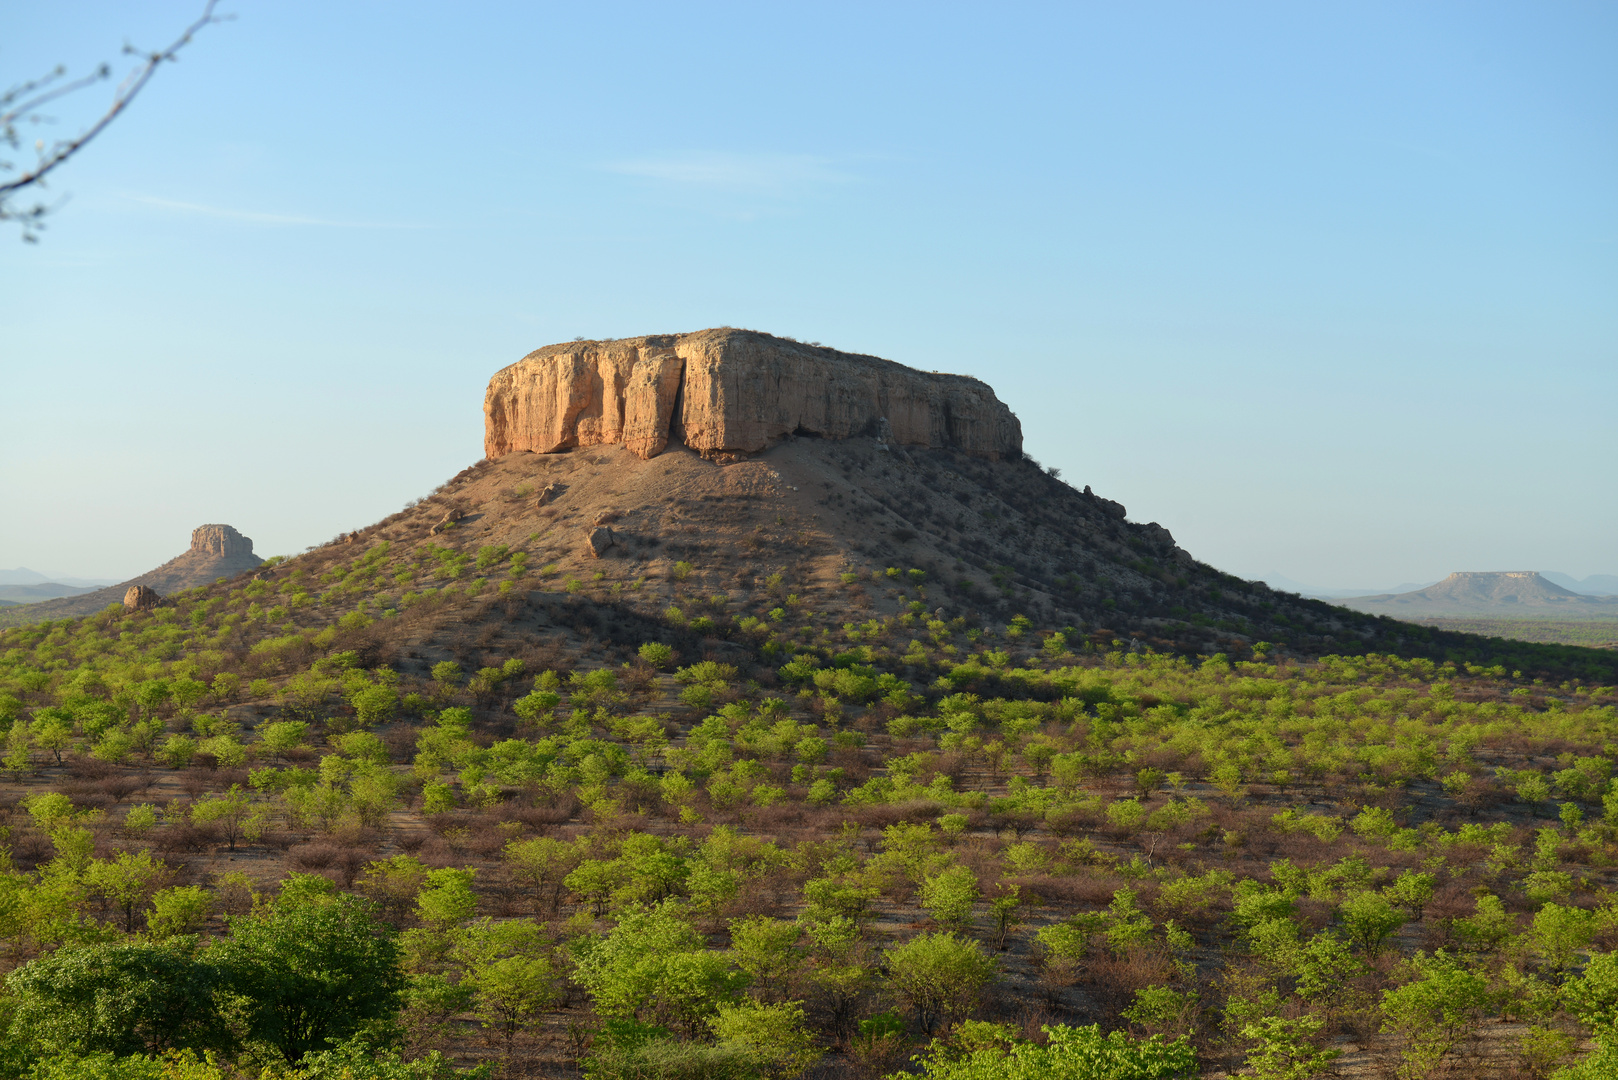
(216,551)
(726,393)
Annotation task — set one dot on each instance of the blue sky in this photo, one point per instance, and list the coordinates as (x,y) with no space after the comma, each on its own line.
(1329,290)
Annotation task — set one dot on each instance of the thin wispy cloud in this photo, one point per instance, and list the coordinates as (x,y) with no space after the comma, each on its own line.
(755,174)
(260,218)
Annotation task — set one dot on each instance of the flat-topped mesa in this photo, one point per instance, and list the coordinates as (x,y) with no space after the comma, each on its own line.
(221,541)
(732,391)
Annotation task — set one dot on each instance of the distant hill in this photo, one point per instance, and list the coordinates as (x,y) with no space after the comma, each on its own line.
(1594,585)
(217,551)
(1286,584)
(50,590)
(1522,593)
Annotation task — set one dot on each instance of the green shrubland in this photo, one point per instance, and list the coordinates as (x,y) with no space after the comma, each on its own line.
(251,831)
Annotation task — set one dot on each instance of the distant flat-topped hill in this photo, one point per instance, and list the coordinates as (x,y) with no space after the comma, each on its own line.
(1519,592)
(216,551)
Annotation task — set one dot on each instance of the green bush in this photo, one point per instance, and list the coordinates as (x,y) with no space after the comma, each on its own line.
(939,975)
(1082,1053)
(316,966)
(121,998)
(657,654)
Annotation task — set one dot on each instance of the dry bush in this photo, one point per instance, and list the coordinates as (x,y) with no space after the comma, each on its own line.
(182,837)
(486,843)
(984,861)
(1168,759)
(869,722)
(1089,889)
(1017,822)
(952,764)
(233,897)
(340,862)
(30,849)
(122,787)
(89,768)
(435,853)
(1484,793)
(767,895)
(355,835)
(770,820)
(81,790)
(1313,915)
(280,839)
(639,678)
(315,856)
(1297,846)
(815,823)
(224,778)
(1112,980)
(538,818)
(1072,822)
(883,815)
(856,764)
(400,739)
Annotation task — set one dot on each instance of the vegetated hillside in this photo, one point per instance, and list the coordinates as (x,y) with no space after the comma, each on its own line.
(815,765)
(1519,594)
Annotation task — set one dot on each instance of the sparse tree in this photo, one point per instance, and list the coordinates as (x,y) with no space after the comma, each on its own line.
(128,880)
(231,811)
(939,975)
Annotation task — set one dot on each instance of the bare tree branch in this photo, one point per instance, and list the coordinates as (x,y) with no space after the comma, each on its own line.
(8,119)
(20,102)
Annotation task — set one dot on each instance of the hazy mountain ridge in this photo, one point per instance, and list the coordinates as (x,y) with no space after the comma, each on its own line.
(1594,585)
(21,575)
(50,590)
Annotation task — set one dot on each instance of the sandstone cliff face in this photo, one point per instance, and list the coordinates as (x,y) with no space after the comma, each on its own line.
(723,391)
(220,541)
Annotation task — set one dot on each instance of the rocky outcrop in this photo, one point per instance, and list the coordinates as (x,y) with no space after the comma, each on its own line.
(1108,507)
(601,539)
(725,391)
(139,598)
(452,516)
